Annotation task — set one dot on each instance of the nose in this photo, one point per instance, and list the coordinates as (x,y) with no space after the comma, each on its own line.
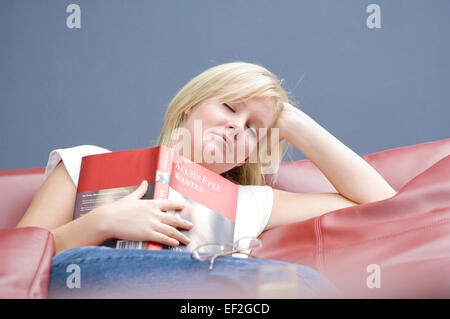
(235,127)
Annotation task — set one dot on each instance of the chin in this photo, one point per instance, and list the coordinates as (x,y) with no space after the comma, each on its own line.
(218,168)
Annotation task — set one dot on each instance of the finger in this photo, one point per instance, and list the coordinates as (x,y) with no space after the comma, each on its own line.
(172,232)
(139,192)
(167,204)
(163,239)
(175,221)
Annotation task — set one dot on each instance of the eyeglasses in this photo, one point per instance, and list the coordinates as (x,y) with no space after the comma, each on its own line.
(214,250)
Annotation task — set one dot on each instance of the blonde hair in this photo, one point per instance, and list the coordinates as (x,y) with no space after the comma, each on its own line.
(235,81)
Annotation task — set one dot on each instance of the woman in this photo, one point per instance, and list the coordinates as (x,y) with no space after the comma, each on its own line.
(233,102)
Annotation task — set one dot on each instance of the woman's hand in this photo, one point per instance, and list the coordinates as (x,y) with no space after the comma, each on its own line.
(136,219)
(287,125)
(288,122)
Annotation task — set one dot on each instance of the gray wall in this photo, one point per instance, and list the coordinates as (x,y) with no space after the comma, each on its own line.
(109,82)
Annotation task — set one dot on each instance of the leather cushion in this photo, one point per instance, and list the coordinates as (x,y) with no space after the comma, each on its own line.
(26,256)
(407,236)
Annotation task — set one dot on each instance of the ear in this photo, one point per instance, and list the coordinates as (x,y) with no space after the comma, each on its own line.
(187,112)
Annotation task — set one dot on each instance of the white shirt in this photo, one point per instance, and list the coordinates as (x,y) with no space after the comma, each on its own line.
(254,202)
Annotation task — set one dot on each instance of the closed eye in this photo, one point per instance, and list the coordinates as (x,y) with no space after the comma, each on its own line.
(232,110)
(229,107)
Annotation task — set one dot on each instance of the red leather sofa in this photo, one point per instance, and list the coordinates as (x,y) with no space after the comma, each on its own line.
(394,248)
(406,238)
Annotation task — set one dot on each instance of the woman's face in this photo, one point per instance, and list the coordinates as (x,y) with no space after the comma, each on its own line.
(223,134)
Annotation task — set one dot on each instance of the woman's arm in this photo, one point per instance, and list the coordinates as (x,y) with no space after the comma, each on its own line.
(87,230)
(129,218)
(356,181)
(53,203)
(295,207)
(52,209)
(349,173)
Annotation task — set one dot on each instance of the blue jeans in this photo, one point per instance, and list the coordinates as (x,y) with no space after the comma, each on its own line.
(102,272)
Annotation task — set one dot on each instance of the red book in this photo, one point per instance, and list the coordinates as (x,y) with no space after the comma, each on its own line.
(105,178)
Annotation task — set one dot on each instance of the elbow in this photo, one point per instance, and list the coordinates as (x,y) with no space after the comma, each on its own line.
(379,197)
(24,224)
(388,193)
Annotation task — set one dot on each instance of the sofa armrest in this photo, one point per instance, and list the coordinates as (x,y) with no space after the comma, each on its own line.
(25,262)
(406,237)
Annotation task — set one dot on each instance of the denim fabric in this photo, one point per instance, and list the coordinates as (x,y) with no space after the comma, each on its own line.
(133,273)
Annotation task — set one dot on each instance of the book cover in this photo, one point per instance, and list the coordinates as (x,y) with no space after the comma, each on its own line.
(105,178)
